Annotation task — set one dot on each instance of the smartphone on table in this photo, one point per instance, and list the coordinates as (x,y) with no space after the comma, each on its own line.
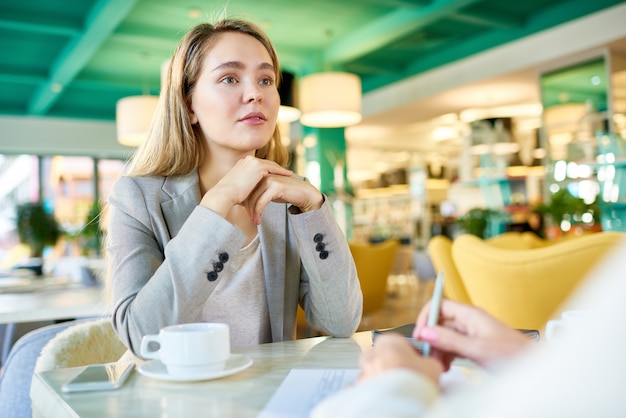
(407,331)
(107,376)
(404,330)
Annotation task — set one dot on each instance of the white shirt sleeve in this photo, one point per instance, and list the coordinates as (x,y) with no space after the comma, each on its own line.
(398,393)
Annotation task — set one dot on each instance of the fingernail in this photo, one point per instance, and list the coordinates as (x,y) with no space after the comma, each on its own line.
(428,334)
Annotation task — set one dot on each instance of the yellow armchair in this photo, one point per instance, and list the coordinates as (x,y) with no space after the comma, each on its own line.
(374,263)
(440,252)
(525,287)
(518,240)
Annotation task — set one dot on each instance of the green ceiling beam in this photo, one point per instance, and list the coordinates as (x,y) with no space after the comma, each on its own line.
(35,27)
(119,84)
(39,23)
(11,78)
(390,28)
(103,18)
(563,12)
(549,18)
(396,3)
(488,19)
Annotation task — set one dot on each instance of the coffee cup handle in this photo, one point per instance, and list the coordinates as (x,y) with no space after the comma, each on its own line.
(144,350)
(552,328)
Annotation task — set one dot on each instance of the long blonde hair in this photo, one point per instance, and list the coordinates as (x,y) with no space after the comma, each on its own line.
(174,146)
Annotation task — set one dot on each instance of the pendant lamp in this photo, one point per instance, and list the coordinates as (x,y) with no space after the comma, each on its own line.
(133,116)
(330,100)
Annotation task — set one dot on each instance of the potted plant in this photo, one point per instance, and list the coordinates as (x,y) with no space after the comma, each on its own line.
(475,221)
(565,206)
(483,222)
(36,228)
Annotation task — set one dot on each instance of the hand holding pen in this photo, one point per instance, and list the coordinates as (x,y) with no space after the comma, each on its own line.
(465,331)
(435,303)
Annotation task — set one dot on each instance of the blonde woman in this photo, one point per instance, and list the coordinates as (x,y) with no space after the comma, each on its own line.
(208,224)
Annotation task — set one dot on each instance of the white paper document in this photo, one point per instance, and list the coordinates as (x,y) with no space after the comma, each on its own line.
(302,389)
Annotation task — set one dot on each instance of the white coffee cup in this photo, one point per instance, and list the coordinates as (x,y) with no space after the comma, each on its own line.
(189,349)
(569,320)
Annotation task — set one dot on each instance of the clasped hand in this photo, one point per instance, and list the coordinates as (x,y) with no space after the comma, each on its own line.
(254,182)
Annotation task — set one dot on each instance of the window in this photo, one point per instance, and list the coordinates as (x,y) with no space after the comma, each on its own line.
(67,185)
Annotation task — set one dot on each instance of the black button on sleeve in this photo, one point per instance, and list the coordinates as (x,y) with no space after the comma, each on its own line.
(211,276)
(324,255)
(318,238)
(320,246)
(218,267)
(223,257)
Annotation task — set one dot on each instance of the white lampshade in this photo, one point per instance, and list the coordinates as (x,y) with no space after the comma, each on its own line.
(288,114)
(133,116)
(330,100)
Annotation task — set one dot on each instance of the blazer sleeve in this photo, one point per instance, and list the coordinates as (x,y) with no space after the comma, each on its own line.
(157,281)
(330,293)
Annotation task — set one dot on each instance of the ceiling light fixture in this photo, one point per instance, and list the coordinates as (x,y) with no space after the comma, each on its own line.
(330,100)
(133,116)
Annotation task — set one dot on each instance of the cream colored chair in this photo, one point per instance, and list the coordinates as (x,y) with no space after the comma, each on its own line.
(525,287)
(88,342)
(374,263)
(80,344)
(440,252)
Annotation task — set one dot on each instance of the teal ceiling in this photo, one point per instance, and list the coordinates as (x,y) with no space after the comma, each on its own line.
(76,58)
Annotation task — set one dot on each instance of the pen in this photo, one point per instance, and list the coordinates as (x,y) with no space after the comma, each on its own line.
(435,303)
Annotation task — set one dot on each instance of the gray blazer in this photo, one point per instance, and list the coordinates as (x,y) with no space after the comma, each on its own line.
(167,254)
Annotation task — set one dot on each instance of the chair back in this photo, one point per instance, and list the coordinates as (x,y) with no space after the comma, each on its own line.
(518,240)
(440,252)
(374,263)
(525,288)
(83,343)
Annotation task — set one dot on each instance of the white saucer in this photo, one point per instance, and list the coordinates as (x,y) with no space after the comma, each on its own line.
(157,370)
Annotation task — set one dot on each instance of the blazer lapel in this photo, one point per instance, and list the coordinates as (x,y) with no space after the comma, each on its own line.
(184,192)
